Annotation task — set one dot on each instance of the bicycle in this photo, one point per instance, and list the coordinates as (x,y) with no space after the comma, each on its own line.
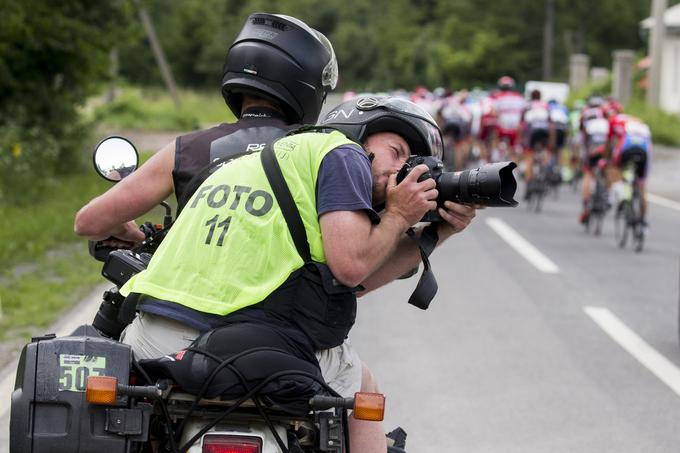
(629,211)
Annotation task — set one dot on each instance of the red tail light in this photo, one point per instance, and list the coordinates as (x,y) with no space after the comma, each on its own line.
(231,444)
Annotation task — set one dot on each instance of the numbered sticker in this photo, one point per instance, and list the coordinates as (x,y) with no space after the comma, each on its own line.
(74,370)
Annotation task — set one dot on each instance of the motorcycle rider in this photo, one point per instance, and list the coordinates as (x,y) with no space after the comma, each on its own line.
(271,86)
(201,269)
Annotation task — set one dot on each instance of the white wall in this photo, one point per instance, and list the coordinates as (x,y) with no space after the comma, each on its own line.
(670,75)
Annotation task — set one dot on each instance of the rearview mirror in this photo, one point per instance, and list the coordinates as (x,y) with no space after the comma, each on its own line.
(115,158)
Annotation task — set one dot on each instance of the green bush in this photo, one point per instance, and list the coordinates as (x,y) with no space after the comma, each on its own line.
(52,55)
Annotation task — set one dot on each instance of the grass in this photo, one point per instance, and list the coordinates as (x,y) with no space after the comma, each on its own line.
(153,109)
(44,266)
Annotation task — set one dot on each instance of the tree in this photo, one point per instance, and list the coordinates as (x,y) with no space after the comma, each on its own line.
(53,55)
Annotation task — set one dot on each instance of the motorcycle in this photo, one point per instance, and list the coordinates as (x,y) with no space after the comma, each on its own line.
(85,392)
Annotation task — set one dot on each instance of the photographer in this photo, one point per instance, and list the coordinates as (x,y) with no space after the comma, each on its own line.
(230,259)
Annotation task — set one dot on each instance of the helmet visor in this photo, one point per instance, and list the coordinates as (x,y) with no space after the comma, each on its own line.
(413,114)
(329,76)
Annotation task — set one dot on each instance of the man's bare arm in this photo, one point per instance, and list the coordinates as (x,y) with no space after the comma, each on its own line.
(406,255)
(112,213)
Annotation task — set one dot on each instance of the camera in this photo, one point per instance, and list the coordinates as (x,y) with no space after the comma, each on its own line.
(489,185)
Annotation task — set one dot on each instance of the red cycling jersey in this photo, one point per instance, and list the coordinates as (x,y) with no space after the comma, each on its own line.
(508,106)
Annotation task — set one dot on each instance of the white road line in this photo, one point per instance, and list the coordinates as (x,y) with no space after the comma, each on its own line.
(661,201)
(662,368)
(522,246)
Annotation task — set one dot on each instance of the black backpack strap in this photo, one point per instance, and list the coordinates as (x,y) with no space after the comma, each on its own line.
(286,202)
(200,177)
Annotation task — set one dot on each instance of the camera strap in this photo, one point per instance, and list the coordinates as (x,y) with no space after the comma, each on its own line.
(427,284)
(286,202)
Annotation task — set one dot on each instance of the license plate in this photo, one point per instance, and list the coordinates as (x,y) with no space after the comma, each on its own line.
(75,369)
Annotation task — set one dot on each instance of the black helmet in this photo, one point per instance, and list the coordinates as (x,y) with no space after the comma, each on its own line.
(281,58)
(364,116)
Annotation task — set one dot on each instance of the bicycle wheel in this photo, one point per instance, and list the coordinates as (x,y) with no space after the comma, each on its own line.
(621,225)
(539,196)
(597,230)
(636,221)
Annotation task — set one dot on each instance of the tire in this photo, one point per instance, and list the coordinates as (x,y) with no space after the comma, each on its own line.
(621,227)
(636,220)
(538,205)
(598,224)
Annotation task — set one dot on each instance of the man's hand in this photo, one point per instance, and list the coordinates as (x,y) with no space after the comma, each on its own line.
(127,235)
(456,218)
(411,199)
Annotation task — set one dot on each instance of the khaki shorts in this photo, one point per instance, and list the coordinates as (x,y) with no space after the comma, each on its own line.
(154,336)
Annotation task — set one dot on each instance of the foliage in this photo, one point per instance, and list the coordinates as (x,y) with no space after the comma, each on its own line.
(28,233)
(153,109)
(44,266)
(52,55)
(665,126)
(383,44)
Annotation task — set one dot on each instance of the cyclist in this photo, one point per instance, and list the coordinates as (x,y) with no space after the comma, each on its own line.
(594,127)
(535,130)
(486,129)
(455,121)
(508,105)
(559,119)
(630,140)
(575,138)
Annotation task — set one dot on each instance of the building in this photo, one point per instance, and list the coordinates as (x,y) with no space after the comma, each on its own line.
(670,59)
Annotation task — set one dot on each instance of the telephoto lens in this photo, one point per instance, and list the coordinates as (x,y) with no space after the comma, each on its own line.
(489,185)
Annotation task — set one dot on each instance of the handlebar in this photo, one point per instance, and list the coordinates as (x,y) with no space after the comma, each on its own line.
(140,391)
(322,403)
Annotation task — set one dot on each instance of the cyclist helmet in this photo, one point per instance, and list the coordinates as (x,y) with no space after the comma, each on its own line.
(280,58)
(506,83)
(613,107)
(367,115)
(595,101)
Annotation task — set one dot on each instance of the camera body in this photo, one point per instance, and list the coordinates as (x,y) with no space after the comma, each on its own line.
(489,185)
(435,170)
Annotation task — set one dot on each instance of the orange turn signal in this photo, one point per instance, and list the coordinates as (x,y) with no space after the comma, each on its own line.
(369,406)
(101,389)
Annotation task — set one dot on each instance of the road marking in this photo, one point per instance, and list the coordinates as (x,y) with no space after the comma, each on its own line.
(522,246)
(662,368)
(661,201)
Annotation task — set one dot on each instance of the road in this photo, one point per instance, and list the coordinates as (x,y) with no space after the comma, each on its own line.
(561,343)
(516,359)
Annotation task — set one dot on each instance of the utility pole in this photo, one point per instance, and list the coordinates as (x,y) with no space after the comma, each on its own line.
(656,44)
(158,53)
(548,32)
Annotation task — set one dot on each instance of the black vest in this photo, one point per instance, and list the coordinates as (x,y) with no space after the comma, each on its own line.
(194,151)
